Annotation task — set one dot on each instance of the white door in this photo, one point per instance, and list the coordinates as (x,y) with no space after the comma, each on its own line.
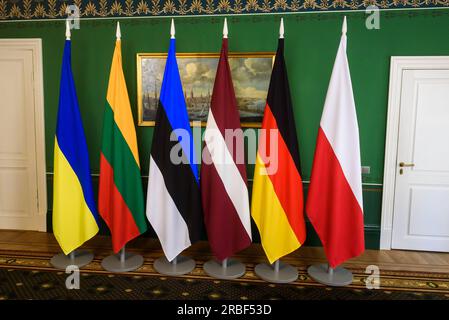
(421,199)
(19,139)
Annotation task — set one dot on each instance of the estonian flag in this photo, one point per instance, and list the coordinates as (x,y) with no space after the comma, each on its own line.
(173,201)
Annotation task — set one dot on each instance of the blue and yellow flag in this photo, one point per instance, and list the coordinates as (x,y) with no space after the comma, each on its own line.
(75,214)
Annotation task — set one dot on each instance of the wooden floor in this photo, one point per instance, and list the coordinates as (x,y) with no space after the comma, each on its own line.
(29,241)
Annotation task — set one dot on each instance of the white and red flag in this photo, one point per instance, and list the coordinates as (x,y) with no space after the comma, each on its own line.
(334,202)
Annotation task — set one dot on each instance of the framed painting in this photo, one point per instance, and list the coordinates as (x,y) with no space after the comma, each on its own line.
(250,75)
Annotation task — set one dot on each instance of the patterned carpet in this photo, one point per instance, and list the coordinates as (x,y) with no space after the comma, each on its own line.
(30,276)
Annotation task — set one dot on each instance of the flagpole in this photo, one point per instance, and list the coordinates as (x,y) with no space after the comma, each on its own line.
(72,256)
(77,258)
(330,271)
(324,273)
(122,256)
(67,30)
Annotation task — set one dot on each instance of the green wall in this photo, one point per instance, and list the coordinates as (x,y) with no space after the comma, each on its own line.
(311,44)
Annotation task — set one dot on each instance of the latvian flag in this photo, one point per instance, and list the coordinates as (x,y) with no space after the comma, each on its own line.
(173,199)
(223,179)
(277,198)
(334,202)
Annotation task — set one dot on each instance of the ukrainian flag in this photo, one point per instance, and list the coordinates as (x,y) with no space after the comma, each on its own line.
(75,215)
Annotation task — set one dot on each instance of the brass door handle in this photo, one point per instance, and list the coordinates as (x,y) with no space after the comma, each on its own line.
(402,164)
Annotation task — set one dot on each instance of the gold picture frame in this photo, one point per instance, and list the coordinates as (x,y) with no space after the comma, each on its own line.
(251,74)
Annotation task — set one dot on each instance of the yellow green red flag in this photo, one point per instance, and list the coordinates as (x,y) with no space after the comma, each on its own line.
(120,200)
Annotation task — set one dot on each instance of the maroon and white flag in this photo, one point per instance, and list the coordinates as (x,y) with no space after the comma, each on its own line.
(223,174)
(334,201)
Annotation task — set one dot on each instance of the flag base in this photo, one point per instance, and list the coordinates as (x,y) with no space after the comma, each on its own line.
(179,266)
(228,269)
(279,272)
(78,258)
(122,262)
(338,277)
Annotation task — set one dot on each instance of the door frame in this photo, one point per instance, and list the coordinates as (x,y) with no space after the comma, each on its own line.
(35,46)
(398,65)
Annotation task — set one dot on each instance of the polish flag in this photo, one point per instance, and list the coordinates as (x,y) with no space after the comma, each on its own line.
(334,202)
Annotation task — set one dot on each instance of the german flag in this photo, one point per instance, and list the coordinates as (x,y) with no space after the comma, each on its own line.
(277,198)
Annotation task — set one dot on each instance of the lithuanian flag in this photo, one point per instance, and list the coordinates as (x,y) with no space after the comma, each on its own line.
(277,198)
(120,199)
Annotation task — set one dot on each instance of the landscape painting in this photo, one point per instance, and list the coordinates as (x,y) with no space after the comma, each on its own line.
(250,74)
